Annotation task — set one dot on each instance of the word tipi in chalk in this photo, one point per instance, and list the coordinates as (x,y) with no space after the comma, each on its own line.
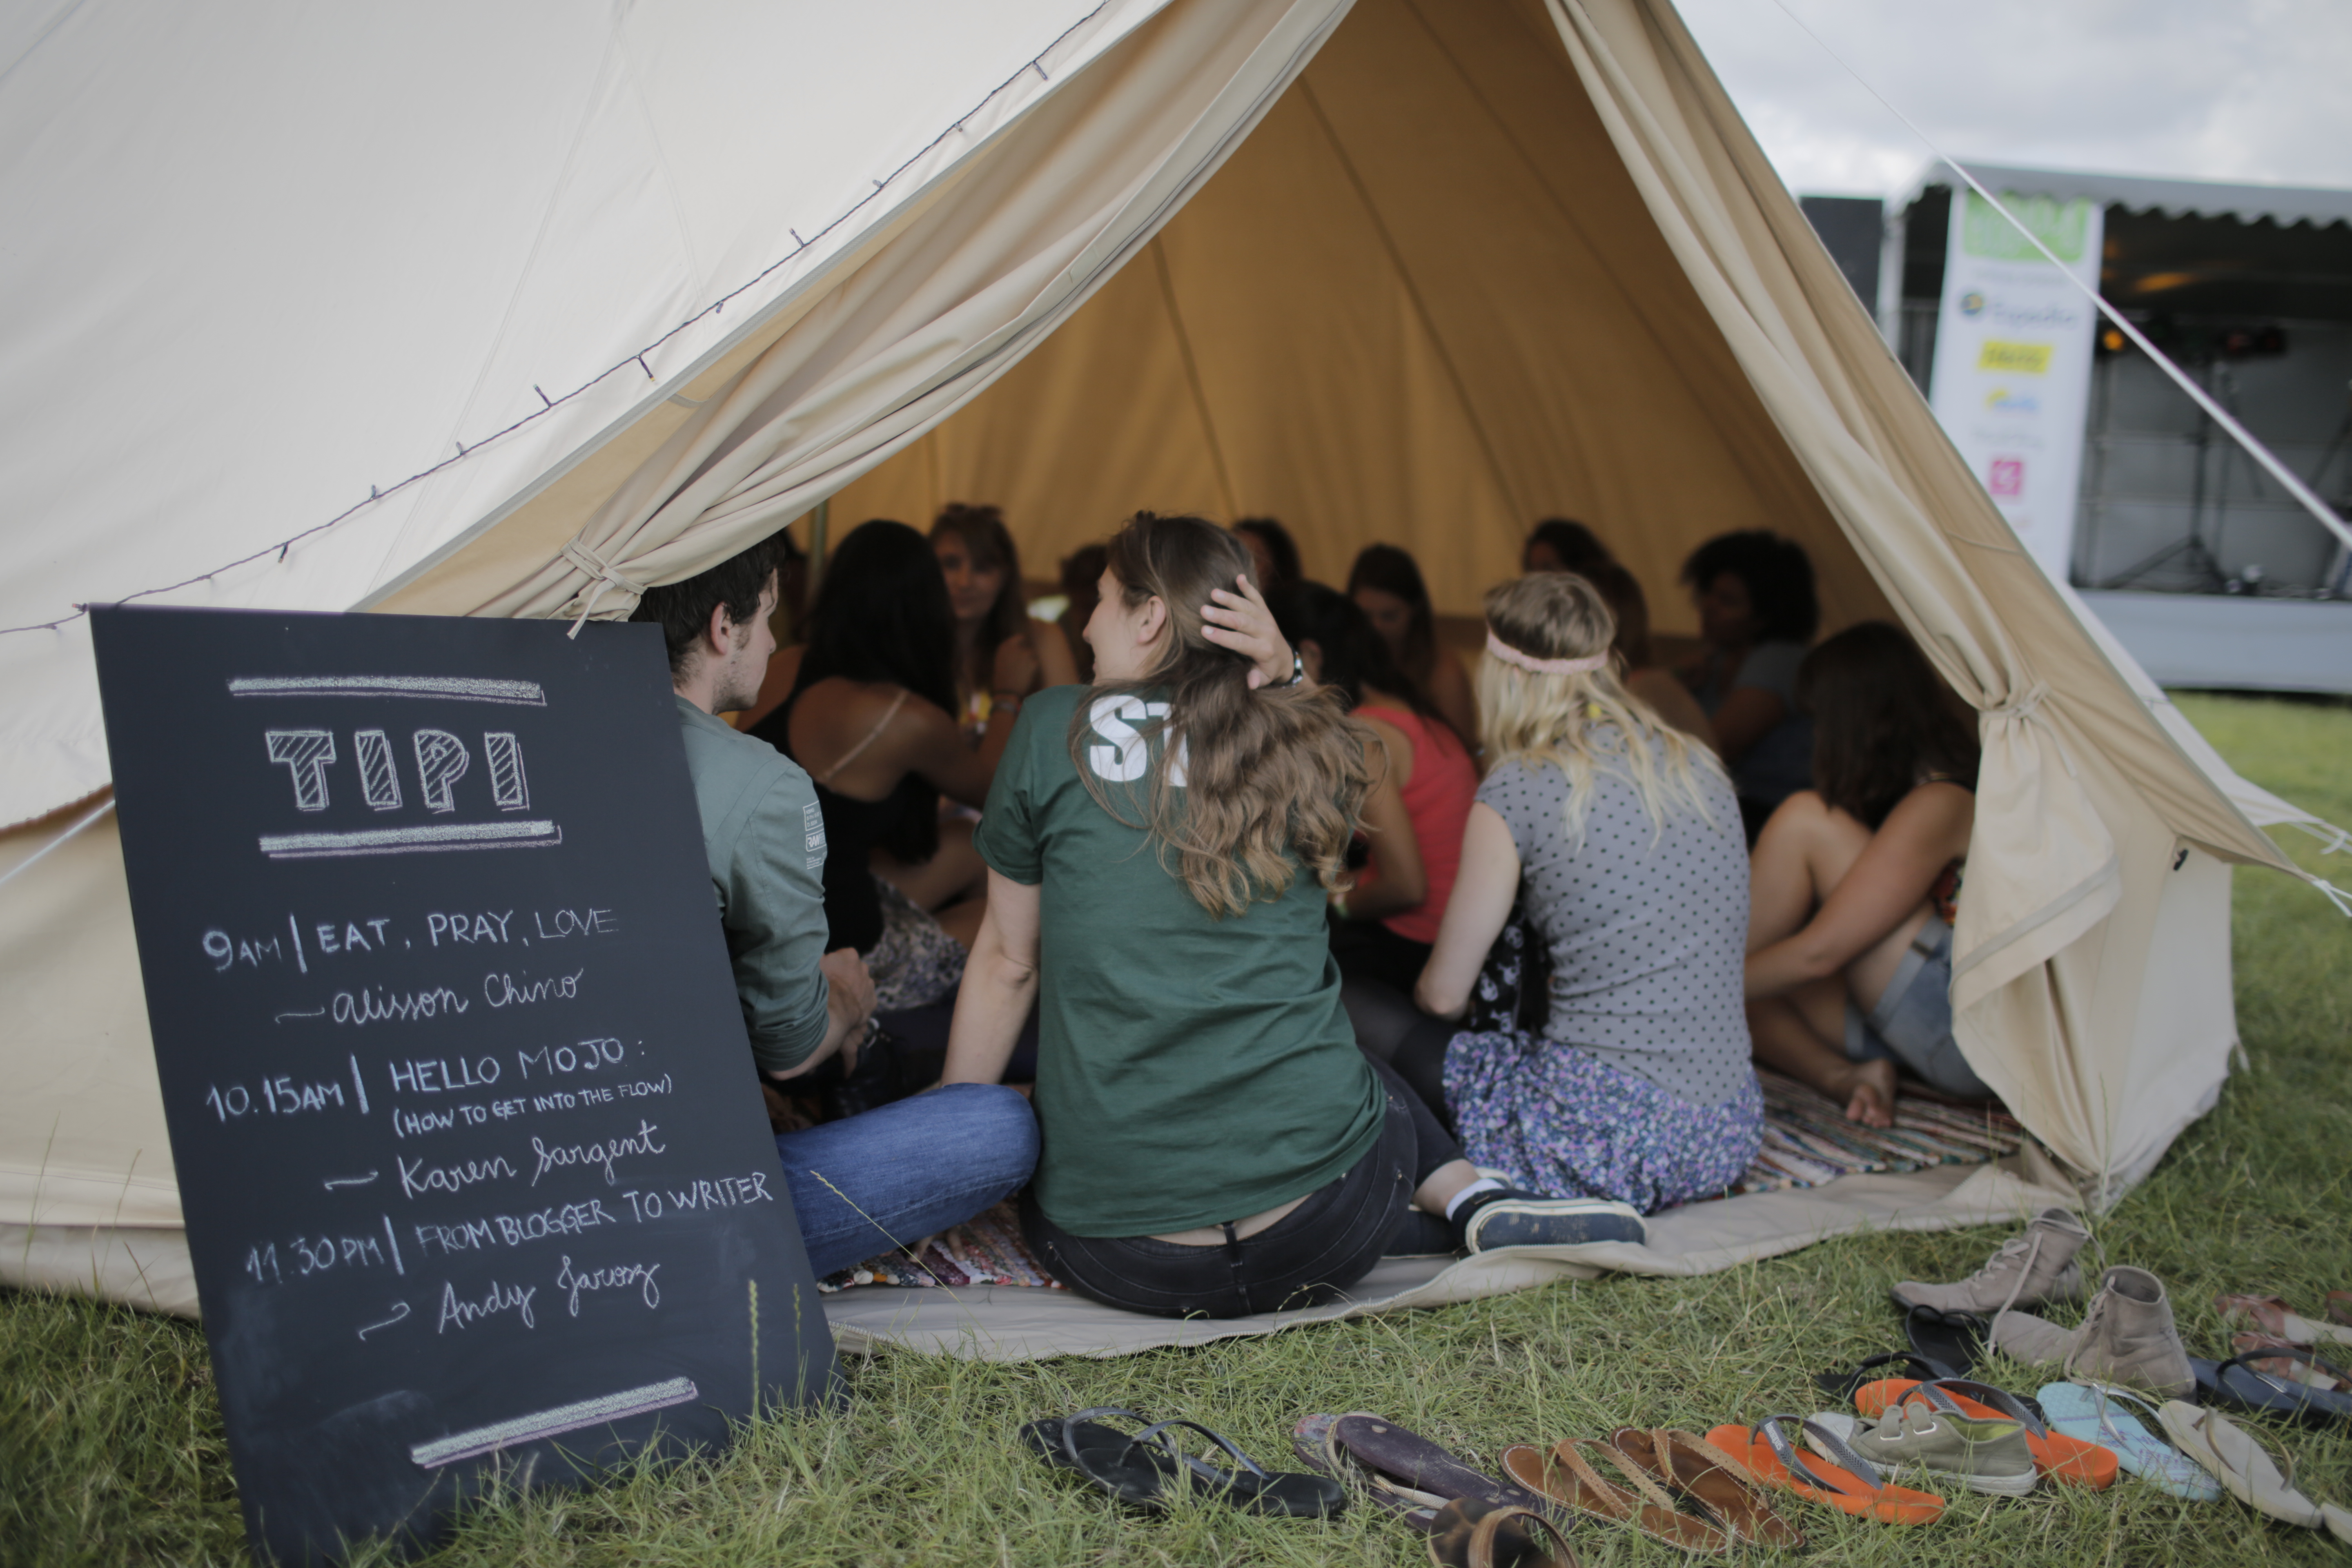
(441,758)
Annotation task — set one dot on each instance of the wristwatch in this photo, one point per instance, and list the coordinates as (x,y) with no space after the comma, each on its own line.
(1297,670)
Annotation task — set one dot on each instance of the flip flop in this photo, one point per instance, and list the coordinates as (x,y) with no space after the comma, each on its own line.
(1705,1473)
(1144,1469)
(1311,1440)
(2092,1413)
(2239,1464)
(2055,1454)
(1567,1476)
(1470,1533)
(1956,1339)
(1843,1385)
(1770,1460)
(2238,1384)
(1415,1467)
(2324,1375)
(2272,1315)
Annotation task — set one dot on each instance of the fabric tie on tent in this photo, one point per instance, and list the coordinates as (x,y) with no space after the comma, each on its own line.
(601,574)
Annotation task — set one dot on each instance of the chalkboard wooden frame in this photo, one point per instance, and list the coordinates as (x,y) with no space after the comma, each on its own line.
(476,1177)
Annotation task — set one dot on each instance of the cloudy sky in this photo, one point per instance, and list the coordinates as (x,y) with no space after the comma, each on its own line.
(2243,90)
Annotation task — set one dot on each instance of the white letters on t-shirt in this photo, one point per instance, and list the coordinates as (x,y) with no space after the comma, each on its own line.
(1114,718)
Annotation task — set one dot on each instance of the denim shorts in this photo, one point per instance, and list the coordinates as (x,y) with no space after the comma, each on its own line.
(1913,1021)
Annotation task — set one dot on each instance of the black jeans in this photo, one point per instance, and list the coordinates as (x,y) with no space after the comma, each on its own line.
(1309,1256)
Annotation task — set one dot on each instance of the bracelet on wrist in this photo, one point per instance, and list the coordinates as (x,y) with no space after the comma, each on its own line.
(1004,698)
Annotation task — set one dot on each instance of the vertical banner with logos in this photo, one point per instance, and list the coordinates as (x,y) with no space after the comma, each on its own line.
(2011,384)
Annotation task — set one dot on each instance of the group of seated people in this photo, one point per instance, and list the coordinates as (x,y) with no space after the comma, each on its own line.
(1309,947)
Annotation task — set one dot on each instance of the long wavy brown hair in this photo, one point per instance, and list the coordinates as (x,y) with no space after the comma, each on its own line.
(1264,781)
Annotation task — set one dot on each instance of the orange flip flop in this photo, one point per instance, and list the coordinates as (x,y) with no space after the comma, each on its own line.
(1768,1456)
(2055,1454)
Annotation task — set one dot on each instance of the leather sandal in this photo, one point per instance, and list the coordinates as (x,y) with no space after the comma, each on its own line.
(1770,1460)
(2316,1372)
(1713,1480)
(1469,1533)
(2272,1315)
(2055,1454)
(1566,1476)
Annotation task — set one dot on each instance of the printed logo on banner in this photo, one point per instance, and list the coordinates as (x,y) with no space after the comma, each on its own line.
(1972,303)
(2006,477)
(2019,359)
(2002,400)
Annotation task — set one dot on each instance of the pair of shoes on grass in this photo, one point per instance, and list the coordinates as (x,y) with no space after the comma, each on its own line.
(1660,1473)
(2126,1336)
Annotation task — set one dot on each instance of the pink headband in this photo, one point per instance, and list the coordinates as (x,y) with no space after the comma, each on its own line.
(1535,666)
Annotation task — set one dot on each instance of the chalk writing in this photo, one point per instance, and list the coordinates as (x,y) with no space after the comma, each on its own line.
(381,1006)
(599,1156)
(509,788)
(227,951)
(515,1298)
(723,1192)
(467,928)
(575,923)
(350,938)
(512,1230)
(379,779)
(435,1076)
(418,1178)
(305,754)
(502,991)
(618,1277)
(586,1057)
(399,1311)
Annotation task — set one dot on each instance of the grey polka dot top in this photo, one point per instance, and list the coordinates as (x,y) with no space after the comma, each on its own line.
(1647,939)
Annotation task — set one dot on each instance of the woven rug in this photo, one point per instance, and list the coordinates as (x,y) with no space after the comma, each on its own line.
(1808,1142)
(984,1250)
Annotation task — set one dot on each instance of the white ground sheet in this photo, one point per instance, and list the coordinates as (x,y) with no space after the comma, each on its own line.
(995,1322)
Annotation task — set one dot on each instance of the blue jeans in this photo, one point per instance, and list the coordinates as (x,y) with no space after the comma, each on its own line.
(889,1178)
(1913,1021)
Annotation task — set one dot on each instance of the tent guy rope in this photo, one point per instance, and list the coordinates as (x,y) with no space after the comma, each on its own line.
(549,404)
(2287,478)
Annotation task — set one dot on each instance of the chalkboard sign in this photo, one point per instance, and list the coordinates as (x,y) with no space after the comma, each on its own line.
(470,1144)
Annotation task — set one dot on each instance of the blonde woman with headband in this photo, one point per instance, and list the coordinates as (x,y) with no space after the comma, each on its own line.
(1160,847)
(1619,840)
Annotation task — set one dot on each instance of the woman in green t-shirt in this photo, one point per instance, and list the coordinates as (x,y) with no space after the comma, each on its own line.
(1160,847)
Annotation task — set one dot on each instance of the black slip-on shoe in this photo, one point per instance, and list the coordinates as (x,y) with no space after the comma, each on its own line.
(1512,1218)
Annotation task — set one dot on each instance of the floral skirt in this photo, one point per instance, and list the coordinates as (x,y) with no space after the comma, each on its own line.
(917,963)
(1559,1121)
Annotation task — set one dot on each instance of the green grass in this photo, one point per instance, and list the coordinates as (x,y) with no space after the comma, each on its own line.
(112,1452)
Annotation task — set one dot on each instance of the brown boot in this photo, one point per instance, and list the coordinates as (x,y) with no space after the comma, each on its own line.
(2127,1336)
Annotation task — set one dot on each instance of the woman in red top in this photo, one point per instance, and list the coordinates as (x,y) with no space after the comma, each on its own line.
(1382,926)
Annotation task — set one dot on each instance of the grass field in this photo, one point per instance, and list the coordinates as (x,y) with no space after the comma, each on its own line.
(112,1452)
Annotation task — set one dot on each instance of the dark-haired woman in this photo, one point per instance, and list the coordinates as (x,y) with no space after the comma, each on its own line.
(1757,611)
(1160,848)
(1414,811)
(872,718)
(992,608)
(1563,544)
(1386,581)
(1855,882)
(1274,565)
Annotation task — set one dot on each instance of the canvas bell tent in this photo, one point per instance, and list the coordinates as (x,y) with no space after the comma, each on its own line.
(510,312)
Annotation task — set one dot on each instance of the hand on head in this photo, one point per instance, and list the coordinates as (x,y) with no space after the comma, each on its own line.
(1241,621)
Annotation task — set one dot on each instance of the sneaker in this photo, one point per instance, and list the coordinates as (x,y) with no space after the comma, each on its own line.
(1983,1455)
(1514,1218)
(2029,1271)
